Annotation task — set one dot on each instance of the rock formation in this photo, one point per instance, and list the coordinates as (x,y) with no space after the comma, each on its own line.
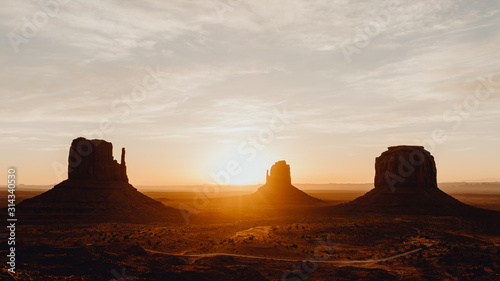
(278,191)
(97,189)
(406,182)
(280,174)
(93,160)
(405,167)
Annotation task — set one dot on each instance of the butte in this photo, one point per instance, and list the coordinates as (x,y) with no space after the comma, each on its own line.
(277,192)
(97,189)
(406,183)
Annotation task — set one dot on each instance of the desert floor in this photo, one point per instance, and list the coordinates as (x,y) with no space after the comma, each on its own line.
(290,243)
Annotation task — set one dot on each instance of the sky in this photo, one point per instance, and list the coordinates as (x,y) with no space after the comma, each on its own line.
(216,91)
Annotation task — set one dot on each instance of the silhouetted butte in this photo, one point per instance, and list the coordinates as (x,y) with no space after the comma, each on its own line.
(97,189)
(279,190)
(406,182)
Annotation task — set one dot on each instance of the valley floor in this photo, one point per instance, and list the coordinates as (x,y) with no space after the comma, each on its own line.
(268,244)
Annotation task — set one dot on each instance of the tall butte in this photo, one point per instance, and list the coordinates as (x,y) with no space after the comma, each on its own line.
(406,182)
(92,160)
(97,189)
(279,190)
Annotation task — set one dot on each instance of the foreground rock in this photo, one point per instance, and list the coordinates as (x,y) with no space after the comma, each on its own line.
(406,182)
(97,189)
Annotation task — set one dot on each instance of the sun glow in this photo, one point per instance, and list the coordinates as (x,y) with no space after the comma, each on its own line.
(238,169)
(252,173)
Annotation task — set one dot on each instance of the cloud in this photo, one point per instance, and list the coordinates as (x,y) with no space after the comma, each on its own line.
(228,64)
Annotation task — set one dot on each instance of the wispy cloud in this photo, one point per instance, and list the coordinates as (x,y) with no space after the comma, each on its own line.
(226,71)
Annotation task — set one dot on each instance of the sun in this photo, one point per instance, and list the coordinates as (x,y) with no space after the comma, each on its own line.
(240,171)
(251,173)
